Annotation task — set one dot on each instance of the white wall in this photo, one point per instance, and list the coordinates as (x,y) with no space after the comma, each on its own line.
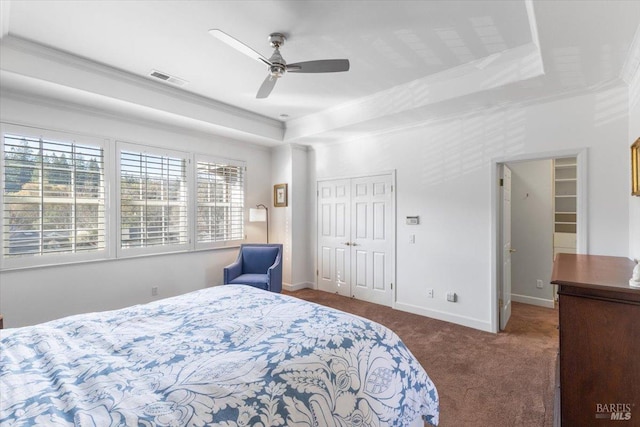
(291,223)
(281,216)
(444,174)
(35,295)
(302,267)
(634,134)
(532,231)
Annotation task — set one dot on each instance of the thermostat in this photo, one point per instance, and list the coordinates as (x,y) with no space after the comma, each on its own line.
(413,220)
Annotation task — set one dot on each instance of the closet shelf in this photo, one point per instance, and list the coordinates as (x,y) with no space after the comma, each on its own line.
(565,200)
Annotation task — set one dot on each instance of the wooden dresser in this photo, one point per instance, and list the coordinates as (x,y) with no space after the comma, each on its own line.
(599,341)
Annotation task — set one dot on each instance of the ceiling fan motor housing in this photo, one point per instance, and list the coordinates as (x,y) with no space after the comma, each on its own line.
(276,39)
(278,64)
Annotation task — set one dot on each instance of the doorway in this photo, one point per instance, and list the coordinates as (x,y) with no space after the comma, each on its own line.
(356,237)
(526,237)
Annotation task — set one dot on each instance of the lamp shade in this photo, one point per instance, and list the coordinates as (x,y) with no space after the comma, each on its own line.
(257,215)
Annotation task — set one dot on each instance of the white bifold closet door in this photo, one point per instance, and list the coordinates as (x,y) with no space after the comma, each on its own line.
(356,237)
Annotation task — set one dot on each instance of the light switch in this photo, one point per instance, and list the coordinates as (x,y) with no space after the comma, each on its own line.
(412,238)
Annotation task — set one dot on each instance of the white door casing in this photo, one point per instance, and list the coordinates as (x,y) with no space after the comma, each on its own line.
(356,237)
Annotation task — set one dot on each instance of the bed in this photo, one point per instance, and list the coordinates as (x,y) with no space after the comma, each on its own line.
(227,356)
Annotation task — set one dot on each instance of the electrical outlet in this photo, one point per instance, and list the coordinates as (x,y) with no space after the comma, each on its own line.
(154,291)
(429,293)
(452,297)
(539,284)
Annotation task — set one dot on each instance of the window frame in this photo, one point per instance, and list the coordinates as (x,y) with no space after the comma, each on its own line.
(218,160)
(156,249)
(38,260)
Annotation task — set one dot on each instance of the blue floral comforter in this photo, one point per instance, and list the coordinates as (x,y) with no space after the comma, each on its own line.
(226,356)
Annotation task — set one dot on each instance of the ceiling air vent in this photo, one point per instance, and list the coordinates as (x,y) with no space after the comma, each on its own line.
(167,78)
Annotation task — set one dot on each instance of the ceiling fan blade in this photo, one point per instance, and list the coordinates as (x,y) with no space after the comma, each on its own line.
(266,87)
(238,45)
(320,66)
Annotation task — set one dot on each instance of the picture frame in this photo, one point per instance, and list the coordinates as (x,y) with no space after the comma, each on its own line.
(635,168)
(280,196)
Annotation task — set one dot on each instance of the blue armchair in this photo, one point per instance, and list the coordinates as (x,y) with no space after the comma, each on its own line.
(258,265)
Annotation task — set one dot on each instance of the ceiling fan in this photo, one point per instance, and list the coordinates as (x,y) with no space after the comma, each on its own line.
(277,65)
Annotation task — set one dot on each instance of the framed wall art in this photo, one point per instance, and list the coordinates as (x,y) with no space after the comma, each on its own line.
(280,197)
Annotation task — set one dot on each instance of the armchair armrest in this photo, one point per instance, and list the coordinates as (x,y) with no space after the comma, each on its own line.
(232,271)
(274,275)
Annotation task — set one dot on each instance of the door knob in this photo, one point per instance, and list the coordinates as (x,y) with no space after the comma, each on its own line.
(512,250)
(346,243)
(355,244)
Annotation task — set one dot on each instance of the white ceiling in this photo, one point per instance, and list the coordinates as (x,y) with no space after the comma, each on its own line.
(410,60)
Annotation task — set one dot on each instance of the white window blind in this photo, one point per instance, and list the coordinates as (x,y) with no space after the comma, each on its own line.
(153,200)
(53,197)
(220,201)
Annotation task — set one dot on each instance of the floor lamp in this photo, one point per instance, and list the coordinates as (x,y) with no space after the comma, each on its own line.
(260,214)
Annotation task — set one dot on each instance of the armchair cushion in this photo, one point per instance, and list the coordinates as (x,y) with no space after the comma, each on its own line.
(258,259)
(255,280)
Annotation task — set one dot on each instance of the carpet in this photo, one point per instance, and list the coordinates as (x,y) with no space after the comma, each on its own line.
(483,379)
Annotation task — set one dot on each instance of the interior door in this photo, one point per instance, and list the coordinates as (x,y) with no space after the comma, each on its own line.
(334,236)
(356,238)
(372,241)
(505,210)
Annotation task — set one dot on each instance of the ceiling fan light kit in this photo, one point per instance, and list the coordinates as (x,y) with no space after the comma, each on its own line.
(276,64)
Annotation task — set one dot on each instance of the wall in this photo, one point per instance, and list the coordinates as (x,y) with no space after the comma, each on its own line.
(444,175)
(39,294)
(281,216)
(532,231)
(634,134)
(291,223)
(302,267)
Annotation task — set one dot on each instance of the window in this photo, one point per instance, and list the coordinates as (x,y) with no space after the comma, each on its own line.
(67,198)
(153,201)
(53,197)
(220,201)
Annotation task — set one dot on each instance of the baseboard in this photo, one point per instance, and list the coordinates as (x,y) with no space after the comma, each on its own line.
(296,287)
(541,302)
(447,317)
